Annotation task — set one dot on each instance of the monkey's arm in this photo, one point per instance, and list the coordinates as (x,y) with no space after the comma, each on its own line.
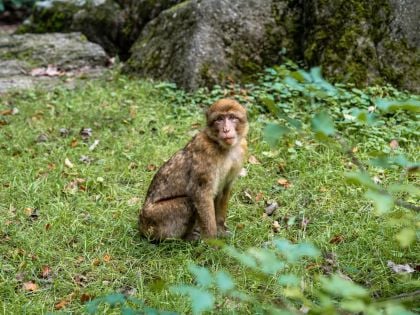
(202,198)
(221,204)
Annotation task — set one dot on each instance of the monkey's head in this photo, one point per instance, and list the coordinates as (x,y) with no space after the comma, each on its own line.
(227,122)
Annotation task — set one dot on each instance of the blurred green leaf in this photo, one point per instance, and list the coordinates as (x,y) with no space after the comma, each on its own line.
(269,263)
(395,309)
(274,132)
(289,280)
(383,202)
(323,124)
(307,249)
(406,237)
(224,282)
(293,252)
(92,306)
(317,79)
(269,103)
(408,188)
(130,311)
(362,179)
(354,306)
(245,259)
(343,288)
(201,300)
(202,275)
(394,105)
(115,298)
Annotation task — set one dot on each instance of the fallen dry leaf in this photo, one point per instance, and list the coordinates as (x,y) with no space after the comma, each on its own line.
(94,145)
(128,291)
(240,226)
(304,223)
(30,286)
(79,260)
(281,166)
(49,71)
(253,160)
(45,272)
(85,298)
(337,239)
(73,186)
(106,258)
(276,226)
(133,201)
(151,167)
(62,304)
(400,268)
(133,166)
(133,111)
(73,143)
(64,132)
(68,163)
(284,182)
(259,196)
(85,133)
(376,180)
(247,197)
(85,159)
(80,279)
(243,172)
(394,144)
(96,262)
(32,213)
(6,112)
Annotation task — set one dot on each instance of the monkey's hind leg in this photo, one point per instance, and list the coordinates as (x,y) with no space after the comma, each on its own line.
(173,218)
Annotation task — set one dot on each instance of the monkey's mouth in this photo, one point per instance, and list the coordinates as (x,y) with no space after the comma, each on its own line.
(229,140)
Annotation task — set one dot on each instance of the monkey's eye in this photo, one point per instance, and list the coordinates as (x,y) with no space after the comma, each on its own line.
(233,118)
(220,118)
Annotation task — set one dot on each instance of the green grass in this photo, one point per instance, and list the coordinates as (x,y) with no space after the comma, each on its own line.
(88,237)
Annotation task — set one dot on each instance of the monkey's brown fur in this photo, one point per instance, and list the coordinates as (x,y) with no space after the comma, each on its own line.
(192,188)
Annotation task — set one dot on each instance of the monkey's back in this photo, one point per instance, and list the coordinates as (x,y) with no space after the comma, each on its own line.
(171,179)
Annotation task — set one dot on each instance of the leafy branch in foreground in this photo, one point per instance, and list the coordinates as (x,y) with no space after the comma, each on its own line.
(334,294)
(319,95)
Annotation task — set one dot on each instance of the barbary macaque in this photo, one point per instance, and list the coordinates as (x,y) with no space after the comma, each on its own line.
(190,192)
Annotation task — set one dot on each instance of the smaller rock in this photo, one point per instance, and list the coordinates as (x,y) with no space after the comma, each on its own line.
(42,138)
(271,207)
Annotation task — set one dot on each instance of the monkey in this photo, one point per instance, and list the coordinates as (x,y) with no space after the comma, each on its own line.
(189,194)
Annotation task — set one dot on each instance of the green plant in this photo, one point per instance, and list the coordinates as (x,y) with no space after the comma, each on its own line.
(273,266)
(15,4)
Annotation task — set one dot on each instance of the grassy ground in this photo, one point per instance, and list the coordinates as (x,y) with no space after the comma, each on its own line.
(69,233)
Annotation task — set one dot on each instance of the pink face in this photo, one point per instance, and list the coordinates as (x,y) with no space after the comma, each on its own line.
(226,128)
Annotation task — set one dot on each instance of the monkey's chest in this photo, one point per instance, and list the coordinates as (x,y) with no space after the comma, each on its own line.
(226,173)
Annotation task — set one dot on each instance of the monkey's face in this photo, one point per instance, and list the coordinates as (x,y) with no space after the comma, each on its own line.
(227,122)
(226,129)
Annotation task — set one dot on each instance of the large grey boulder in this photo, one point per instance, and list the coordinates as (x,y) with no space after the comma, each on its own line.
(113,24)
(24,59)
(199,43)
(364,41)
